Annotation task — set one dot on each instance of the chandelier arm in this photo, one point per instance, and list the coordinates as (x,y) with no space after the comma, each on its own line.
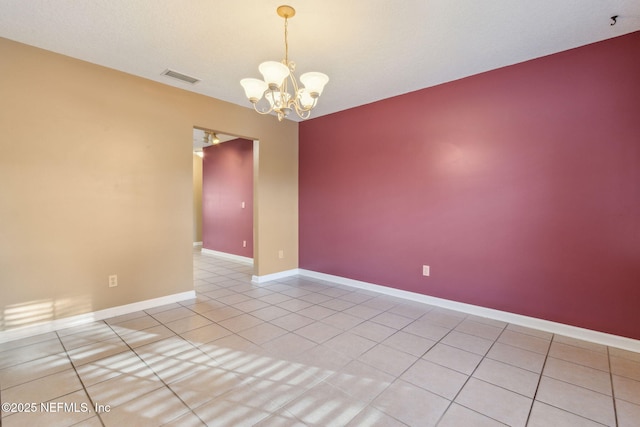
(303,114)
(294,83)
(268,111)
(301,109)
(262,112)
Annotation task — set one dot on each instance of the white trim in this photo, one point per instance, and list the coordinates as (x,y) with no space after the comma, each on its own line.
(81,319)
(239,258)
(274,276)
(197,244)
(516,319)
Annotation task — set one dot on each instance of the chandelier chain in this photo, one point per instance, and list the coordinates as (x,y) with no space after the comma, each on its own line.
(286,41)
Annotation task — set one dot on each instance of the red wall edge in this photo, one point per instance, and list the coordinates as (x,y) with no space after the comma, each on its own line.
(227,182)
(520,187)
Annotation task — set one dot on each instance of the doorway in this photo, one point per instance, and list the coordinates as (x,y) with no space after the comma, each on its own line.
(223,178)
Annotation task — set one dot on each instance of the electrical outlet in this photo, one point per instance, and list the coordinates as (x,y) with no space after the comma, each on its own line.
(242,205)
(425,270)
(280,254)
(113,280)
(244,243)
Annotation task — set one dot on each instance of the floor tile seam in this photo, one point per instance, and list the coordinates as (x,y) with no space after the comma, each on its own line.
(315,342)
(353,396)
(470,409)
(419,336)
(529,337)
(456,348)
(246,381)
(131,332)
(160,379)
(475,336)
(525,331)
(512,365)
(84,387)
(61,353)
(410,354)
(397,380)
(540,375)
(388,373)
(577,347)
(580,363)
(499,386)
(217,322)
(525,349)
(613,392)
(469,376)
(164,323)
(421,358)
(36,379)
(108,321)
(78,364)
(634,364)
(96,323)
(572,413)
(372,406)
(578,385)
(600,371)
(625,357)
(18,347)
(522,348)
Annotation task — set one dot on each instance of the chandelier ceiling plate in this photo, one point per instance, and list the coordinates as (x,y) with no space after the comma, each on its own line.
(286,11)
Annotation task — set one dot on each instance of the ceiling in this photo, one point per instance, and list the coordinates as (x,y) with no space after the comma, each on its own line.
(371,49)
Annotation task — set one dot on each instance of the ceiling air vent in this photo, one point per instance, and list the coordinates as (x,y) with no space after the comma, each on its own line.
(180,76)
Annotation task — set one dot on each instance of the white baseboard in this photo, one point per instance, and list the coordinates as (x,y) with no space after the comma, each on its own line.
(67,322)
(239,258)
(274,276)
(197,244)
(516,319)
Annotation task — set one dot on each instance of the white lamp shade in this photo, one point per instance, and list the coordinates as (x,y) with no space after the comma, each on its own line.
(314,82)
(278,99)
(253,88)
(273,72)
(306,100)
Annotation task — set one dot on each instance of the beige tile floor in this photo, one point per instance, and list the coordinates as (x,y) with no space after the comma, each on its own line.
(301,352)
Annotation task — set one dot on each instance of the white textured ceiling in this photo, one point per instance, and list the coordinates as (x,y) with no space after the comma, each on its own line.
(371,49)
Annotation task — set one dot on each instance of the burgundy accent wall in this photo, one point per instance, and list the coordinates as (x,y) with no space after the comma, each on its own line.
(227,181)
(519,187)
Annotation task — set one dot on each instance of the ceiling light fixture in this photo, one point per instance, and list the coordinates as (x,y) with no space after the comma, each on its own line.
(211,138)
(275,88)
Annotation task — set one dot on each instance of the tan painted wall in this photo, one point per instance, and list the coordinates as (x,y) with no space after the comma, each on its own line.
(197,198)
(96,179)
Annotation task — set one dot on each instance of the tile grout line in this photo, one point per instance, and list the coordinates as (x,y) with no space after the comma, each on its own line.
(613,392)
(75,370)
(544,364)
(158,376)
(453,400)
(166,385)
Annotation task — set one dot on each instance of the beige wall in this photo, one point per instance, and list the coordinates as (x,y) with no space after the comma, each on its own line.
(197,198)
(96,179)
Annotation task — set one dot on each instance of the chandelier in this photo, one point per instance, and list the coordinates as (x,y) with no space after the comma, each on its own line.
(279,79)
